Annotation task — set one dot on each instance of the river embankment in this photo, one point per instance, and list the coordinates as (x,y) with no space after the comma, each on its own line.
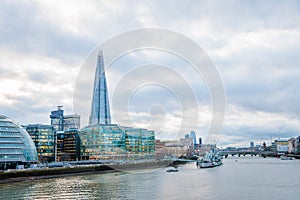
(43,173)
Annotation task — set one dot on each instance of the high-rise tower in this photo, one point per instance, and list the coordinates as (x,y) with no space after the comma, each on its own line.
(100,113)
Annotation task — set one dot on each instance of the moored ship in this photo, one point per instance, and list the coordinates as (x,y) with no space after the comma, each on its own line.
(211,158)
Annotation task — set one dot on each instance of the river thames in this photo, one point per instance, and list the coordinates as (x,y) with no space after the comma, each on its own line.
(237,178)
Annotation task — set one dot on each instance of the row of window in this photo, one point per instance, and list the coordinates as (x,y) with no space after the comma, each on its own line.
(5,145)
(10,134)
(9,129)
(7,124)
(11,151)
(8,158)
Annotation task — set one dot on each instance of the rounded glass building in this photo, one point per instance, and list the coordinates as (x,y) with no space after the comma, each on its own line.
(16,145)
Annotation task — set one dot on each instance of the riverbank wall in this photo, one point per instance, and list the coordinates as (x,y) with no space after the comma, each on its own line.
(34,174)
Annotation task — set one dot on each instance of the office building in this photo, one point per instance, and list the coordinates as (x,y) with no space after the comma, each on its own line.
(16,145)
(57,118)
(139,143)
(43,137)
(68,145)
(100,112)
(105,142)
(252,145)
(193,136)
(116,143)
(62,122)
(71,121)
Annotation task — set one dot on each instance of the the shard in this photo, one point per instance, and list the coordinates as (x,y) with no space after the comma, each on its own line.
(100,113)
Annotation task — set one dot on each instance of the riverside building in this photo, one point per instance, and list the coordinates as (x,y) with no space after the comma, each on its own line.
(102,140)
(67,145)
(117,143)
(16,145)
(67,141)
(62,122)
(43,137)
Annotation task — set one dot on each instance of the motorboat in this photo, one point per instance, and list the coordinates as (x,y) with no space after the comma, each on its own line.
(286,158)
(172,170)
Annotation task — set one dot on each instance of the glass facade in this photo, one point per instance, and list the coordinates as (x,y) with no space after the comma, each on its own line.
(68,145)
(105,142)
(116,143)
(62,122)
(57,118)
(71,121)
(43,137)
(140,143)
(16,146)
(100,113)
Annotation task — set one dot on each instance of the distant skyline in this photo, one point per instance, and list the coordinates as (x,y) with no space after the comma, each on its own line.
(255,45)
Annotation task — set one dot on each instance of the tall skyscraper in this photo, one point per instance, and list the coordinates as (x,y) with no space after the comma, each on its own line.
(193,135)
(100,113)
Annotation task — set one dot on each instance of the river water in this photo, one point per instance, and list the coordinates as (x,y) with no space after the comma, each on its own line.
(237,178)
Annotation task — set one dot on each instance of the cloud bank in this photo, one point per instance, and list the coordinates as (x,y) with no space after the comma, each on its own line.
(254,45)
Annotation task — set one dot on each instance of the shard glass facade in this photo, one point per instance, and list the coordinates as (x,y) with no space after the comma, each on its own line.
(100,113)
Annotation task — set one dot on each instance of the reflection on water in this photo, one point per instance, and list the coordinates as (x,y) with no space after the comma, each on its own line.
(238,178)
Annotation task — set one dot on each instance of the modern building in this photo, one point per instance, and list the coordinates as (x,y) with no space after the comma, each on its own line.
(140,143)
(103,142)
(251,145)
(68,145)
(16,145)
(193,136)
(57,118)
(43,137)
(71,121)
(100,112)
(116,143)
(62,122)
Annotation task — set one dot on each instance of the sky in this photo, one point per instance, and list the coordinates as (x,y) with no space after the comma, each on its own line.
(254,45)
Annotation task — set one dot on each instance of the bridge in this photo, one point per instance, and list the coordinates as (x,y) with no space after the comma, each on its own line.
(247,152)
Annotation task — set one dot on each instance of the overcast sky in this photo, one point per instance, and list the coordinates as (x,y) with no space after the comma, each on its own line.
(255,45)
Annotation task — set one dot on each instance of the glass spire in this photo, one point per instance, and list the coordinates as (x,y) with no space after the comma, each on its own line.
(100,113)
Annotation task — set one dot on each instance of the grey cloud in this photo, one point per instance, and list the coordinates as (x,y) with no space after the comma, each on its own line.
(23,29)
(270,82)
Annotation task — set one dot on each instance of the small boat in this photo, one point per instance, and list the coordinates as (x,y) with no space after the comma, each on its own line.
(172,170)
(212,158)
(286,158)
